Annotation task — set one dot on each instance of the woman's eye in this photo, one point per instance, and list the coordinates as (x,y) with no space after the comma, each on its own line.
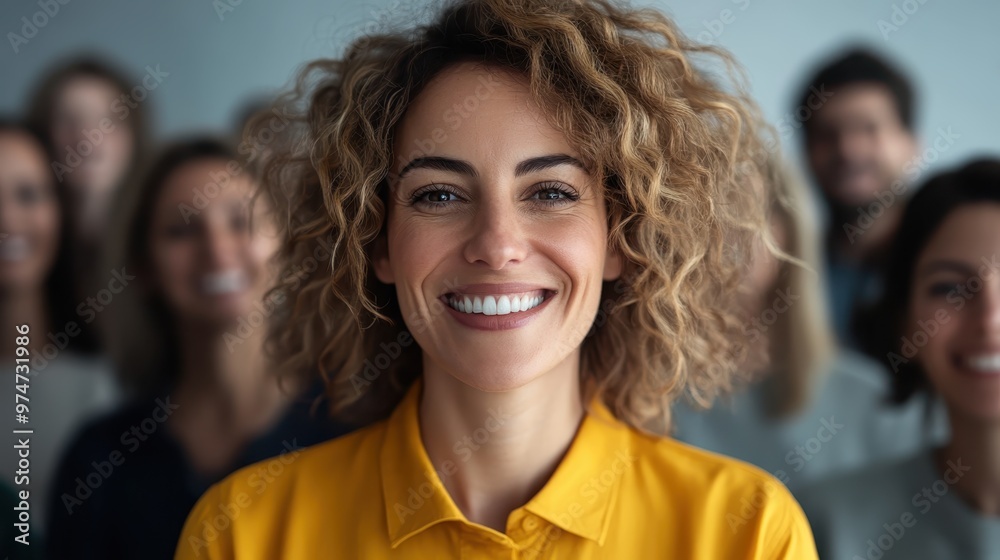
(554,195)
(29,194)
(439,196)
(179,231)
(434,197)
(939,289)
(238,222)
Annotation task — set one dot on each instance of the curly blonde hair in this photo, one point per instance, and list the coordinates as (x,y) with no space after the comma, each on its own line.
(680,153)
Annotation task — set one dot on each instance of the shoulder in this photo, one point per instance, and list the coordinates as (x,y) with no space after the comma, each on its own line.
(296,487)
(889,479)
(346,456)
(721,498)
(851,370)
(842,511)
(697,468)
(104,432)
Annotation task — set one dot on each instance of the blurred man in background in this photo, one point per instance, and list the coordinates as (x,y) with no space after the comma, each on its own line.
(861,146)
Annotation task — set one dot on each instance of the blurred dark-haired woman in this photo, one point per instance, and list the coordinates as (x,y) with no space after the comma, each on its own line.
(189,339)
(940,334)
(814,410)
(66,380)
(92,116)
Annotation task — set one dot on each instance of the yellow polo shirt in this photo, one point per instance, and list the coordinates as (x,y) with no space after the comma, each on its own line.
(618,494)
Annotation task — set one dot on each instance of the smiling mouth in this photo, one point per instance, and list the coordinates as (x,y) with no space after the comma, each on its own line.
(14,248)
(223,283)
(497,304)
(984,364)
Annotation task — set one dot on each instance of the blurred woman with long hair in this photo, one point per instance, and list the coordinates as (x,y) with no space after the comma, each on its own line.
(67,380)
(188,338)
(812,410)
(94,119)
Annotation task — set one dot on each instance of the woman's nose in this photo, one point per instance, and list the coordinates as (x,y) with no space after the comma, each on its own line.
(222,245)
(498,236)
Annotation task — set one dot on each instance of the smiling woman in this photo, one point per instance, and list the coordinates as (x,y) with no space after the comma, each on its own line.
(493,183)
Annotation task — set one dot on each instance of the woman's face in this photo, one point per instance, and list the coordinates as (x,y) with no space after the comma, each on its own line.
(955,308)
(208,264)
(29,213)
(105,153)
(497,236)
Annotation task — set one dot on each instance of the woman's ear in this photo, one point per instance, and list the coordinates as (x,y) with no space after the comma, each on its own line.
(380,260)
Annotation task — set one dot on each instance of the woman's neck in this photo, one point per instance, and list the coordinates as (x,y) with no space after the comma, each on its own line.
(227,386)
(20,307)
(506,445)
(970,462)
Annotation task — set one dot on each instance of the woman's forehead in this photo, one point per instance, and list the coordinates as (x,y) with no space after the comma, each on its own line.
(478,114)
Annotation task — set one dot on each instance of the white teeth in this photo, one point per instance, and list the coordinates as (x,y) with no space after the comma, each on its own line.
(227,282)
(489,305)
(984,363)
(14,248)
(494,305)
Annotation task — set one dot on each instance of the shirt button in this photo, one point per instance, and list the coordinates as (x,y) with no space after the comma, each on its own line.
(529,523)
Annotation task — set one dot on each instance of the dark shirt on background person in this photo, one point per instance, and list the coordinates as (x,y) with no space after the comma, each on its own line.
(118,496)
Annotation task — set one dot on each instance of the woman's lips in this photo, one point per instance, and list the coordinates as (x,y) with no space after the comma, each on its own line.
(497,311)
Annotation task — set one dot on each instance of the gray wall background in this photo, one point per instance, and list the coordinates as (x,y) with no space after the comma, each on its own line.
(222,53)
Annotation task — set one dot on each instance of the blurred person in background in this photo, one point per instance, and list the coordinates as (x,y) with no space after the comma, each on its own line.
(501,183)
(859,139)
(943,337)
(94,119)
(189,338)
(67,379)
(813,410)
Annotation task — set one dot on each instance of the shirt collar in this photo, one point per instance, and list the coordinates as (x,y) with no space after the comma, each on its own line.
(579,497)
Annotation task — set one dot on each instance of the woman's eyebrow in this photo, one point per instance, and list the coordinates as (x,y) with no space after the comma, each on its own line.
(948,265)
(525,167)
(540,163)
(441,164)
